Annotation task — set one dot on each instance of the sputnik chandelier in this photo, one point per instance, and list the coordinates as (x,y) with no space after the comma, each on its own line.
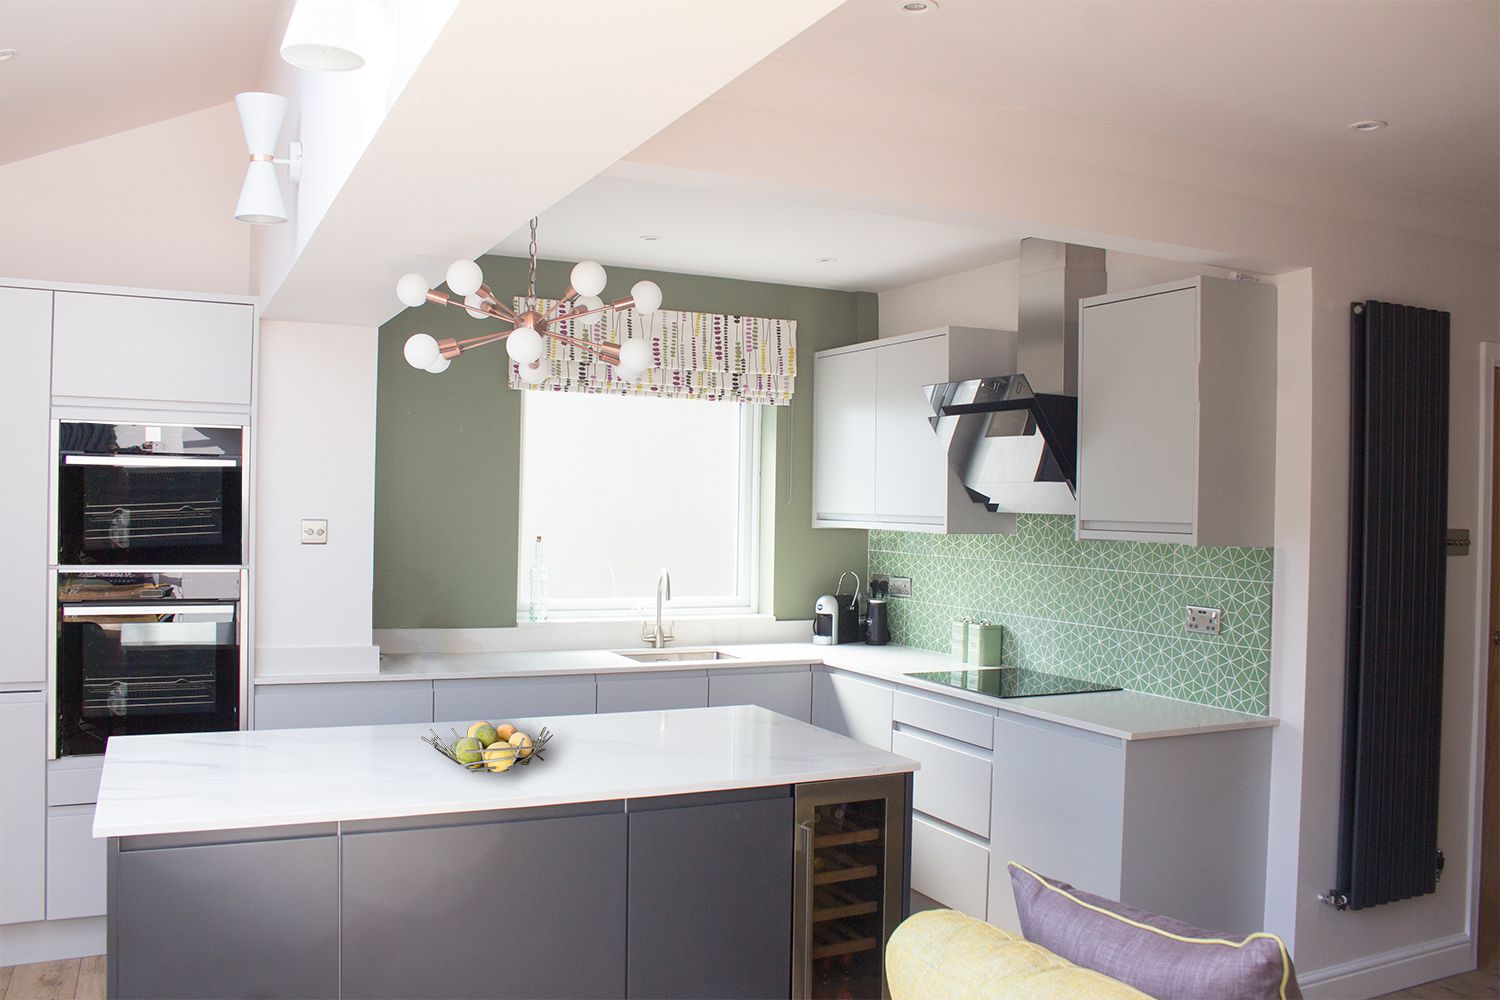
(524,341)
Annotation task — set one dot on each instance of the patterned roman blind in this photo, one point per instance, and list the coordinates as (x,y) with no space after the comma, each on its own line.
(737,359)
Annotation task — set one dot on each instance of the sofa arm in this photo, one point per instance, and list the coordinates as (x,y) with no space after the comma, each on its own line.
(945,955)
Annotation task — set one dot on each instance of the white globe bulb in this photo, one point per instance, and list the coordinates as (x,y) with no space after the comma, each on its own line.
(591,302)
(532,375)
(464,277)
(439,366)
(421,350)
(471,304)
(524,345)
(635,358)
(588,277)
(412,289)
(647,295)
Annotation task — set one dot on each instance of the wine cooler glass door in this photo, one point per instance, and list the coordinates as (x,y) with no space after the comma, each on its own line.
(852,885)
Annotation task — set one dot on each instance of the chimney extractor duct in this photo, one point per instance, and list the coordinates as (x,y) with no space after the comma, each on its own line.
(1012,438)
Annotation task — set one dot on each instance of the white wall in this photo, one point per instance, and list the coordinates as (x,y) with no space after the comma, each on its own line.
(315,457)
(149,208)
(1350,245)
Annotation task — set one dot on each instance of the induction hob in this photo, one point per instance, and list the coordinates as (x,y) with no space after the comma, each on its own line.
(1011,682)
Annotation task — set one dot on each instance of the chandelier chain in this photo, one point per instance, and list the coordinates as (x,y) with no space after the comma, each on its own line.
(531,280)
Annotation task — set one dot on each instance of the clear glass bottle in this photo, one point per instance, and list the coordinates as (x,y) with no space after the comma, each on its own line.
(538,599)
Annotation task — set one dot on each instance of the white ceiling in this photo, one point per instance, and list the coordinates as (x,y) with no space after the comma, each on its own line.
(88,69)
(1270,82)
(757,237)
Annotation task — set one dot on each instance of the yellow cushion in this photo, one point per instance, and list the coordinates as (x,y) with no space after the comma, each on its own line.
(945,955)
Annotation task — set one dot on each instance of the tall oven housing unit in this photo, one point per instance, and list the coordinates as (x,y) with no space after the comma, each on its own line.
(150,520)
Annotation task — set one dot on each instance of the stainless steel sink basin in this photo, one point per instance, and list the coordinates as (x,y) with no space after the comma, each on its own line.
(674,655)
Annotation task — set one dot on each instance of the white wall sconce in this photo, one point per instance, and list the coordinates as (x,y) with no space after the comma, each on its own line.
(325,35)
(261,117)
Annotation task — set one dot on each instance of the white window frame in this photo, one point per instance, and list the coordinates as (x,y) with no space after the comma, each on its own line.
(619,608)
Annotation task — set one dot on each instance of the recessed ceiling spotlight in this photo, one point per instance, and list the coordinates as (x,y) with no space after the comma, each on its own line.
(916,6)
(1368,125)
(6,55)
(824,260)
(648,238)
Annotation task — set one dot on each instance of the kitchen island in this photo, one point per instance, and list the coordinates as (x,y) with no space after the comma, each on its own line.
(650,853)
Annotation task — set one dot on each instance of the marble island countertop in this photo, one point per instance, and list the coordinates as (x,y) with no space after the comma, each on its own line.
(196,782)
(1126,715)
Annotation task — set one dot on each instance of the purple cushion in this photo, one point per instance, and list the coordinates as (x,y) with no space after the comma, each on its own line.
(1166,958)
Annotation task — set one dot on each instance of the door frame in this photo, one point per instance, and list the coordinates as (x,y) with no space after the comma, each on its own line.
(1489,355)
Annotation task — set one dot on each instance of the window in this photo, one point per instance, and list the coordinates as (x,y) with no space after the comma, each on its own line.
(619,487)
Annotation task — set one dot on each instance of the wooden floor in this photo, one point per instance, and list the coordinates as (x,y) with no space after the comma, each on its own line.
(83,979)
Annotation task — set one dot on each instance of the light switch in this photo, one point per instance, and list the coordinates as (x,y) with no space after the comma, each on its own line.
(314,531)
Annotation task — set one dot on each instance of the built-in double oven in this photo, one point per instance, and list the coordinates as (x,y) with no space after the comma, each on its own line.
(150,529)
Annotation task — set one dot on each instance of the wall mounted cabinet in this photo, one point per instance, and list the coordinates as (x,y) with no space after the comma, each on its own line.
(876,461)
(159,349)
(1177,413)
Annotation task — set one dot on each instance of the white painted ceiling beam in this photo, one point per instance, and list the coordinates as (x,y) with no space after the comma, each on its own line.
(514,106)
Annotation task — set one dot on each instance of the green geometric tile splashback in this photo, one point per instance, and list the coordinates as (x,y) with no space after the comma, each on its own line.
(1108,611)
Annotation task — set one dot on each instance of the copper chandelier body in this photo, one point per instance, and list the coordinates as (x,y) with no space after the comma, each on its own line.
(525,339)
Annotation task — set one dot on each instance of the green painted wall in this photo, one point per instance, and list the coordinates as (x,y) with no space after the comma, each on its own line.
(447,455)
(1109,611)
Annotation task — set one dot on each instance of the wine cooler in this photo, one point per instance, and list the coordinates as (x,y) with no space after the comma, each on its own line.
(852,888)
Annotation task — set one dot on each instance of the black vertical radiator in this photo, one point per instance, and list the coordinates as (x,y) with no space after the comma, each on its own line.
(1398,511)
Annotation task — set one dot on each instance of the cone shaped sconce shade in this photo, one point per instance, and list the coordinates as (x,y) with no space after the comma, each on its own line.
(325,35)
(260,197)
(261,117)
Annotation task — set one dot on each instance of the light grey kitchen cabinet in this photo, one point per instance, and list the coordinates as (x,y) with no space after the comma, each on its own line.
(25,413)
(524,903)
(950,867)
(145,348)
(1177,413)
(954,782)
(23,817)
(352,703)
(853,706)
(204,916)
(710,890)
(1174,825)
(76,864)
(787,690)
(876,461)
(74,781)
(638,691)
(500,699)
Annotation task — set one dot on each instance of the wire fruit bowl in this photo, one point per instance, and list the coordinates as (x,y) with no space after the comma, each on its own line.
(538,745)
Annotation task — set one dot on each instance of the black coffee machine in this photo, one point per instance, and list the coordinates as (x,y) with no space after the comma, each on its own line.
(877,620)
(836,615)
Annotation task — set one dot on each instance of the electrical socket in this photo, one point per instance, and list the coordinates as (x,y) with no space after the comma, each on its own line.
(1203,621)
(900,586)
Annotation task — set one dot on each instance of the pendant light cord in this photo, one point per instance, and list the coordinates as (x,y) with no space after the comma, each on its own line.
(531,280)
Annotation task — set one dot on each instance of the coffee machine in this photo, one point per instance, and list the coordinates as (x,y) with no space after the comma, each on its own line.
(836,616)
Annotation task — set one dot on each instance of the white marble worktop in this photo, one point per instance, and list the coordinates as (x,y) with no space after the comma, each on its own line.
(222,781)
(1126,715)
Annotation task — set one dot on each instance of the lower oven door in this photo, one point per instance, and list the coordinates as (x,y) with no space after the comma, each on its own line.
(131,669)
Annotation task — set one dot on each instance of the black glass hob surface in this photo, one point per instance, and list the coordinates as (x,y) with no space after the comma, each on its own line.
(1011,682)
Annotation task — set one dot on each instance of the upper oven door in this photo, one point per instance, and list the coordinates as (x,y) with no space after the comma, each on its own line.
(150,495)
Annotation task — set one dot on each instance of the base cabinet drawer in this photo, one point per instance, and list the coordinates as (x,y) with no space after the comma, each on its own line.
(503,699)
(786,691)
(76,864)
(953,784)
(642,692)
(950,868)
(357,703)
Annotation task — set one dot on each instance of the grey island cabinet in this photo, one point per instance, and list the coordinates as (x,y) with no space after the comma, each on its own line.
(708,852)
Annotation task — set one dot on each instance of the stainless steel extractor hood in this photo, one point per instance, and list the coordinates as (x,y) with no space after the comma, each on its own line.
(1012,438)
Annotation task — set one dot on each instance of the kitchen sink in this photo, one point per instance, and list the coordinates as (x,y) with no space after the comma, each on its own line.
(674,655)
